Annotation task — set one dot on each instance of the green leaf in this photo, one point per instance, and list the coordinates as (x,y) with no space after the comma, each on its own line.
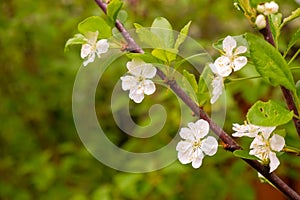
(298,89)
(122,16)
(146,57)
(163,30)
(295,38)
(182,35)
(113,9)
(269,63)
(167,55)
(281,132)
(77,39)
(93,24)
(191,80)
(268,114)
(275,21)
(146,36)
(295,14)
(244,154)
(203,94)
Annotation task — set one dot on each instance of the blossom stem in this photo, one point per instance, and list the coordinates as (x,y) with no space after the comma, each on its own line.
(230,143)
(242,79)
(267,33)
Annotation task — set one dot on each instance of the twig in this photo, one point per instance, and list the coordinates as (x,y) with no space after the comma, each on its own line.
(229,142)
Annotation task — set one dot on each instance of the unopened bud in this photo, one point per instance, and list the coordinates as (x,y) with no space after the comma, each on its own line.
(271,8)
(260,8)
(260,21)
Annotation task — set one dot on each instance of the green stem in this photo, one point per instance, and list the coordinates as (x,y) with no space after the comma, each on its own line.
(293,58)
(242,79)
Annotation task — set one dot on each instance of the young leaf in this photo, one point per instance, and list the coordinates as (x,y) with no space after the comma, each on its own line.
(165,55)
(275,21)
(146,57)
(93,24)
(293,41)
(77,39)
(163,29)
(113,9)
(182,35)
(191,79)
(269,63)
(146,36)
(244,154)
(295,14)
(203,94)
(268,114)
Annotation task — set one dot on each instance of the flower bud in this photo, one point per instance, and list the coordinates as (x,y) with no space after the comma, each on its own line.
(271,8)
(260,8)
(260,21)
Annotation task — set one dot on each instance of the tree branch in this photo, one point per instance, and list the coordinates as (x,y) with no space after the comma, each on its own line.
(231,144)
(266,32)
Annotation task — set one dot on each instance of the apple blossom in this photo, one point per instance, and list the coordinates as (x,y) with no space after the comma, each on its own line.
(249,130)
(218,86)
(138,82)
(196,143)
(93,47)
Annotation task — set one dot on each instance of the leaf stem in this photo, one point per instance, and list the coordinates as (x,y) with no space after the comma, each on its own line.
(293,58)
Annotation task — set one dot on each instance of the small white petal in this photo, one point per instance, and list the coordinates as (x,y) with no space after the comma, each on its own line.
(186,133)
(240,50)
(185,157)
(137,98)
(239,62)
(183,146)
(260,8)
(271,8)
(149,87)
(198,157)
(223,66)
(277,142)
(209,145)
(218,86)
(128,82)
(89,59)
(92,37)
(132,65)
(102,47)
(201,129)
(86,49)
(274,162)
(229,44)
(148,71)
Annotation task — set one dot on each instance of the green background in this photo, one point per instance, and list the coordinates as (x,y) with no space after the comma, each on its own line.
(41,155)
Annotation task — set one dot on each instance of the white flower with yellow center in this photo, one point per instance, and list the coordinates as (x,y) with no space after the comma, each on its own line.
(92,47)
(249,130)
(264,146)
(196,144)
(138,82)
(230,61)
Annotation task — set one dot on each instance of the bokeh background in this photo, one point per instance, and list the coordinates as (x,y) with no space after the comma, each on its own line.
(41,155)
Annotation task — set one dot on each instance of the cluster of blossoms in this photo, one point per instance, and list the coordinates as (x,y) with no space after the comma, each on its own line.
(92,47)
(227,63)
(265,9)
(265,144)
(196,144)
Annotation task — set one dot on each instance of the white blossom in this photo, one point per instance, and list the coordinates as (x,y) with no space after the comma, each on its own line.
(249,130)
(260,21)
(92,47)
(268,8)
(218,86)
(196,144)
(231,59)
(264,146)
(138,82)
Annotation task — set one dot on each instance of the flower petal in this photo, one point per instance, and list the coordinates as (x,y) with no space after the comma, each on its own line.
(134,66)
(92,37)
(201,129)
(277,142)
(149,87)
(128,82)
(209,145)
(137,98)
(223,66)
(186,133)
(102,47)
(239,62)
(240,50)
(274,162)
(183,146)
(218,86)
(148,71)
(229,44)
(89,59)
(86,49)
(185,157)
(198,157)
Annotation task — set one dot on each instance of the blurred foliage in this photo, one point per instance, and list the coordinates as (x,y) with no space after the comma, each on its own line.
(42,156)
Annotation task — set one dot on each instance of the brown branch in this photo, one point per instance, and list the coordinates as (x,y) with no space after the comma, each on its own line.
(266,32)
(229,142)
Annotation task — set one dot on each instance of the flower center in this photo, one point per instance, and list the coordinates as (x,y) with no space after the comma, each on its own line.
(197,144)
